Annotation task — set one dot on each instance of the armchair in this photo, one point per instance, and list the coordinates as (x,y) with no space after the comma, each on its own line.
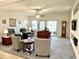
(17,45)
(24,36)
(42,43)
(42,47)
(23,30)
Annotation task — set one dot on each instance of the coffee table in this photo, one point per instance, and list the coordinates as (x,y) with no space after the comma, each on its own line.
(27,45)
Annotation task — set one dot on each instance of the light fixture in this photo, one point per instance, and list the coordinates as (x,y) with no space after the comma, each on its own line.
(30,29)
(37,13)
(5,32)
(37,16)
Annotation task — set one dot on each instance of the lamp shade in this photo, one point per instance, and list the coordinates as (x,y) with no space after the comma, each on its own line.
(30,29)
(5,31)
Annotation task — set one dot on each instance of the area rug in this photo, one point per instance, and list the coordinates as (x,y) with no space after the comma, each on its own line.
(60,49)
(25,55)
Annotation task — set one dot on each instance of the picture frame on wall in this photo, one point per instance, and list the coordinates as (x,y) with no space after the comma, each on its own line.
(3,21)
(12,22)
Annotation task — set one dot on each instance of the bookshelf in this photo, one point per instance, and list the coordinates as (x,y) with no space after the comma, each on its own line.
(75,48)
(75,34)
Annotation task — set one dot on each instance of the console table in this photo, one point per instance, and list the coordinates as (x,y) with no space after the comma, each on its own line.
(6,40)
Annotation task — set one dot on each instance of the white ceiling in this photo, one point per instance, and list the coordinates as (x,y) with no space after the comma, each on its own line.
(29,6)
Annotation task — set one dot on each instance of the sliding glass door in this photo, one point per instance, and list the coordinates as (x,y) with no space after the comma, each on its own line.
(52,26)
(41,25)
(34,25)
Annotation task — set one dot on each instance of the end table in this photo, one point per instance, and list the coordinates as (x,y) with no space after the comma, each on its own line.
(6,40)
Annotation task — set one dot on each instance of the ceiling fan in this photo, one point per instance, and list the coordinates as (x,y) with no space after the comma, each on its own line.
(37,10)
(38,13)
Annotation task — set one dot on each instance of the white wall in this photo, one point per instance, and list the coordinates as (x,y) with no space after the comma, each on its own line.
(59,17)
(7,16)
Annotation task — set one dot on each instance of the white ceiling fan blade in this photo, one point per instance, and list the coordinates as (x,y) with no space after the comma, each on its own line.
(45,10)
(33,11)
(39,8)
(35,7)
(54,9)
(13,2)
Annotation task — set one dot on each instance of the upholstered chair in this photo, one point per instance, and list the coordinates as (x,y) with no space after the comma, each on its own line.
(24,36)
(42,46)
(16,43)
(42,43)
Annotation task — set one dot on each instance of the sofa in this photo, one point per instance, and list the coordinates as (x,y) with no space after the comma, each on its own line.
(43,34)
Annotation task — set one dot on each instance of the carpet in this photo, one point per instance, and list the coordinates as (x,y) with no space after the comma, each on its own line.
(60,49)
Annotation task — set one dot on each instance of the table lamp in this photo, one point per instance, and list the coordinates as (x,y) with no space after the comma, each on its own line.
(30,29)
(5,32)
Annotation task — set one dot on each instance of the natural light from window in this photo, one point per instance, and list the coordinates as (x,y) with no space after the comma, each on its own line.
(34,25)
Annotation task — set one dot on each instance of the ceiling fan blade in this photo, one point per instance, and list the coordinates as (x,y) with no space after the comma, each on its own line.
(18,1)
(37,8)
(45,10)
(14,2)
(33,11)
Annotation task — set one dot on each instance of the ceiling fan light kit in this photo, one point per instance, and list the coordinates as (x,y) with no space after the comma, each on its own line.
(37,16)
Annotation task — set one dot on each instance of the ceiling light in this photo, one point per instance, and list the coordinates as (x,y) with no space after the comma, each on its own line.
(37,16)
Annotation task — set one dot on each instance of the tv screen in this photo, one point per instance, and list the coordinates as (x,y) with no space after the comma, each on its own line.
(11,31)
(74,25)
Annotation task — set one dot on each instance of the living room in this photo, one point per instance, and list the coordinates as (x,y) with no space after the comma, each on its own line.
(19,14)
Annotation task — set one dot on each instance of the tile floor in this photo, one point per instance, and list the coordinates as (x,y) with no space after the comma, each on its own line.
(4,55)
(60,49)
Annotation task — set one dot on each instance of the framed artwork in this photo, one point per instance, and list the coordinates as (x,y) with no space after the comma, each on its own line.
(12,22)
(3,21)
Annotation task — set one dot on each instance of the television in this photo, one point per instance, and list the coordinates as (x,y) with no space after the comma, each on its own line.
(74,25)
(11,31)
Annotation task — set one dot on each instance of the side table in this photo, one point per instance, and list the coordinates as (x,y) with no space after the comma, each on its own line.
(6,40)
(27,45)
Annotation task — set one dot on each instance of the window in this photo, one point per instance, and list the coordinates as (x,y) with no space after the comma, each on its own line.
(51,25)
(34,25)
(21,24)
(42,25)
(25,24)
